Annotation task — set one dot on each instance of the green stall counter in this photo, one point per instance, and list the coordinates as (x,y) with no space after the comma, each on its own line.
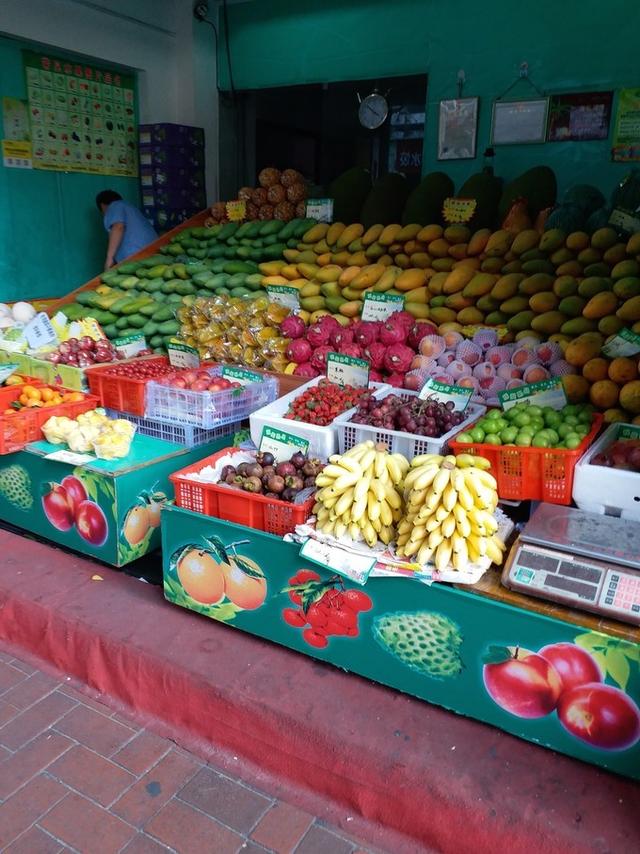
(107,509)
(470,650)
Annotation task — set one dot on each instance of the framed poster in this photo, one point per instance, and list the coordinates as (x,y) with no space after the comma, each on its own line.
(626,135)
(458,129)
(519,122)
(580,116)
(82,117)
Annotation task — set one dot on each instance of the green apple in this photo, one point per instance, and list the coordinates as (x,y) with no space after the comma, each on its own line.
(492,439)
(508,434)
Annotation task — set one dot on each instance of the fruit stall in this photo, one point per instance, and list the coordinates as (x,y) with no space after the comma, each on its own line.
(411,450)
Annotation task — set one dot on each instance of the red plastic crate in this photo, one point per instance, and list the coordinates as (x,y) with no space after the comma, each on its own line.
(232,505)
(6,392)
(18,430)
(539,474)
(122,393)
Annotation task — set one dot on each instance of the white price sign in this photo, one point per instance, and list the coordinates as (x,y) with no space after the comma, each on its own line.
(39,332)
(284,295)
(281,444)
(546,393)
(70,457)
(381,306)
(347,370)
(7,370)
(130,346)
(443,393)
(624,343)
(183,356)
(320,209)
(241,375)
(355,567)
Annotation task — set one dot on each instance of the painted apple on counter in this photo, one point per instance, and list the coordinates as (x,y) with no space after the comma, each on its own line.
(57,506)
(521,682)
(600,715)
(92,523)
(574,665)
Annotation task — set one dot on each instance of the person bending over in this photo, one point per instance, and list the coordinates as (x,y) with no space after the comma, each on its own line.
(128,230)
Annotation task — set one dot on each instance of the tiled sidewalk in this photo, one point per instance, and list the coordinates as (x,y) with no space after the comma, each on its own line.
(75,776)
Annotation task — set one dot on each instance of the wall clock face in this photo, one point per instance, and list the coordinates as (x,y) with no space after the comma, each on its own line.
(373,111)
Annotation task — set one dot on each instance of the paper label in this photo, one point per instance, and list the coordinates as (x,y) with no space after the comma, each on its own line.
(459,210)
(236,211)
(39,332)
(281,444)
(624,221)
(629,431)
(183,356)
(241,375)
(381,306)
(546,393)
(624,343)
(284,295)
(6,371)
(70,457)
(355,567)
(347,370)
(130,346)
(443,393)
(320,209)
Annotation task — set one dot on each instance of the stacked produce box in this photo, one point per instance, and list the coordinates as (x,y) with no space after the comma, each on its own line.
(171,173)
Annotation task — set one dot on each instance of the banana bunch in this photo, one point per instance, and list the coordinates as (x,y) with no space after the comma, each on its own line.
(450,502)
(360,494)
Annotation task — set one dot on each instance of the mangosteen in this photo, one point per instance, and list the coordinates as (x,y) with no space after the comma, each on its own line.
(265,458)
(227,470)
(267,471)
(276,483)
(231,478)
(310,481)
(255,470)
(243,469)
(295,482)
(252,484)
(286,469)
(309,469)
(271,495)
(288,494)
(298,459)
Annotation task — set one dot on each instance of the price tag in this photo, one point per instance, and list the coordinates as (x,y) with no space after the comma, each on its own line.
(320,209)
(284,295)
(459,210)
(625,221)
(443,393)
(624,343)
(236,211)
(546,393)
(70,457)
(381,306)
(183,356)
(39,332)
(241,375)
(355,567)
(347,370)
(7,370)
(281,444)
(130,346)
(629,431)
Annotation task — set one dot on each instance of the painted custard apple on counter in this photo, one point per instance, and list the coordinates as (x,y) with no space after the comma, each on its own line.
(15,486)
(427,642)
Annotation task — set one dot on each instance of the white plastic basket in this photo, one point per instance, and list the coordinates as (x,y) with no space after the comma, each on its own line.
(208,409)
(323,441)
(408,444)
(620,489)
(180,434)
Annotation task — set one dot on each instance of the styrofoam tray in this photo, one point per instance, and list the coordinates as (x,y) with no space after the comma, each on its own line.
(609,491)
(323,441)
(408,444)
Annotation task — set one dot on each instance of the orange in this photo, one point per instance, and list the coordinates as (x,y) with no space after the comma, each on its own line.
(576,387)
(630,397)
(31,392)
(622,370)
(47,393)
(604,394)
(612,415)
(595,369)
(24,399)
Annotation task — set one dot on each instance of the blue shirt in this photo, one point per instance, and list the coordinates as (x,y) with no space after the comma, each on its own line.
(137,230)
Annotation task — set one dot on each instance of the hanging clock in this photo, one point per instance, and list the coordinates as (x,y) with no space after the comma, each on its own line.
(373,110)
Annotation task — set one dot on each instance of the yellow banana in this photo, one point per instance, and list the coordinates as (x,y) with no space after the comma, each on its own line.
(367,459)
(359,507)
(463,461)
(385,513)
(361,488)
(460,557)
(426,458)
(424,553)
(340,529)
(465,499)
(493,551)
(441,480)
(463,526)
(323,480)
(449,498)
(354,531)
(486,479)
(386,534)
(448,525)
(481,463)
(373,507)
(333,470)
(393,467)
(441,513)
(380,463)
(351,465)
(344,502)
(432,524)
(427,477)
(435,538)
(377,524)
(478,544)
(443,555)
(392,498)
(402,461)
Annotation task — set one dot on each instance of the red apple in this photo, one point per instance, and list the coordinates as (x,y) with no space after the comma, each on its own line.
(574,665)
(523,683)
(189,376)
(199,385)
(600,715)
(178,382)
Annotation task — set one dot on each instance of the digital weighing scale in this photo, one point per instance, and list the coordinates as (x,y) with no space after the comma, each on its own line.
(579,559)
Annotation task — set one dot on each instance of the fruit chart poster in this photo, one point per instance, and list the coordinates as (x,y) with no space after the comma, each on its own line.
(82,118)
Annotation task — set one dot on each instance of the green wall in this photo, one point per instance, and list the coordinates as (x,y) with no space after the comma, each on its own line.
(577,45)
(51,235)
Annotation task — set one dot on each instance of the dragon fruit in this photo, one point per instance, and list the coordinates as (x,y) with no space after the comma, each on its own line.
(393,331)
(375,353)
(318,334)
(351,350)
(299,350)
(398,358)
(418,331)
(306,370)
(405,319)
(319,358)
(341,336)
(293,327)
(375,376)
(366,332)
(328,321)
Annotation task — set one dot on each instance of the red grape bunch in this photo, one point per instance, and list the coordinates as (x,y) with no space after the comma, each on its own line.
(428,417)
(325,608)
